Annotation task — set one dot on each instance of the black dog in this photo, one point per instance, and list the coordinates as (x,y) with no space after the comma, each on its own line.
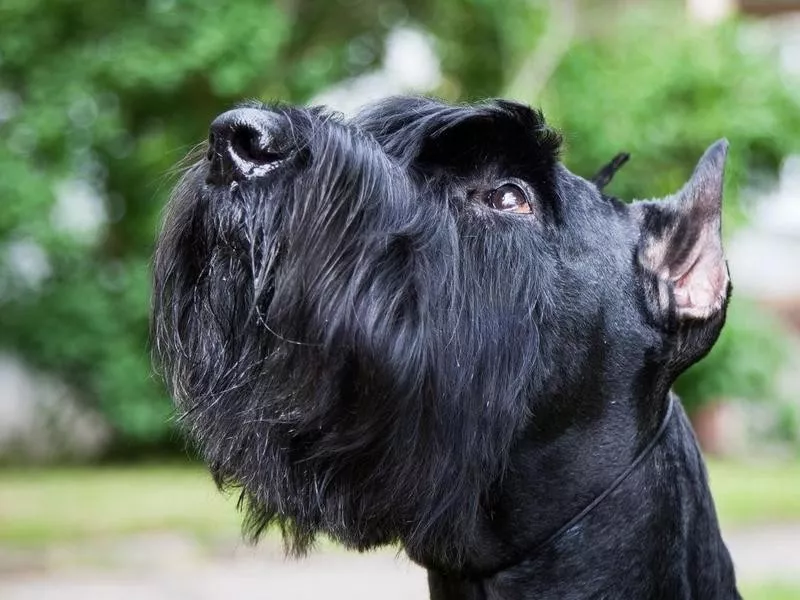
(418,327)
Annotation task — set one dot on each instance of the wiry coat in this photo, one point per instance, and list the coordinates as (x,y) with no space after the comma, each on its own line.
(365,348)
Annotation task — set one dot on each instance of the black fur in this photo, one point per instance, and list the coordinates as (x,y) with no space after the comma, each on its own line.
(606,173)
(370,351)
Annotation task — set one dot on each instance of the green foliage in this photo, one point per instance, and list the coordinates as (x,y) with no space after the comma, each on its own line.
(108,96)
(663,90)
(743,362)
(481,42)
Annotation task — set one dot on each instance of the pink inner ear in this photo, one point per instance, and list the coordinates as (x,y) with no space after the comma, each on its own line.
(701,289)
(685,249)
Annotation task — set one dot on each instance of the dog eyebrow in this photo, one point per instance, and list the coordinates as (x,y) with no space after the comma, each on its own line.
(529,119)
(402,125)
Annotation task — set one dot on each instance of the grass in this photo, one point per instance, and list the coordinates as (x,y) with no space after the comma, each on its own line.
(752,494)
(770,591)
(42,506)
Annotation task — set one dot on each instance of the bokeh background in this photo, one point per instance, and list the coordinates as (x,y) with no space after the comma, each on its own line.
(99,99)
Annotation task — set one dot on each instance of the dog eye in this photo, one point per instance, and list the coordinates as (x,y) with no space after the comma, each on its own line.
(509,198)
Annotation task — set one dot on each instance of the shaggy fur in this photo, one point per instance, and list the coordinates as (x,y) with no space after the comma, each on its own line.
(367,347)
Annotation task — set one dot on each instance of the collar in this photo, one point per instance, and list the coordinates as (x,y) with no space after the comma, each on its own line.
(644,453)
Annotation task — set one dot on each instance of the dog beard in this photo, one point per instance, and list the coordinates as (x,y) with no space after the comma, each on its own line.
(346,340)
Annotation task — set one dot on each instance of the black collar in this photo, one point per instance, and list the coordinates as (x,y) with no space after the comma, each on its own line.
(645,452)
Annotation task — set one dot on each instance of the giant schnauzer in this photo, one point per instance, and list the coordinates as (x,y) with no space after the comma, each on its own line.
(417,327)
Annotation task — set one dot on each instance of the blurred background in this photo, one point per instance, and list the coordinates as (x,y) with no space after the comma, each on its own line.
(99,497)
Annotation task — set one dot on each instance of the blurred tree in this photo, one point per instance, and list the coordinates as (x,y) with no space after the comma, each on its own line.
(98,101)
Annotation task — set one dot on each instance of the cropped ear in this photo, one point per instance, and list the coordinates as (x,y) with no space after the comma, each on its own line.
(681,241)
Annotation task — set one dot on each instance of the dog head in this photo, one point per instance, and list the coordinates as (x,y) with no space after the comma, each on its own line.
(360,319)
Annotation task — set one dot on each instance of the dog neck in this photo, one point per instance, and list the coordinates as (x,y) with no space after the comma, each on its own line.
(575,522)
(638,538)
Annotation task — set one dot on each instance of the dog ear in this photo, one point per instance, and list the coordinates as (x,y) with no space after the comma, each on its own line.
(681,242)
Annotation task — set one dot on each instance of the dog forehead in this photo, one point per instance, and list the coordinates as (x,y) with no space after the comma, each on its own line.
(428,115)
(408,126)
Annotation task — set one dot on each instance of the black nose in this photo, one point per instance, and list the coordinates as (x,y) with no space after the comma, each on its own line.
(245,142)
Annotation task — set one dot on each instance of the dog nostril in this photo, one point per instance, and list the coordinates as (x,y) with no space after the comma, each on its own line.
(253,146)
